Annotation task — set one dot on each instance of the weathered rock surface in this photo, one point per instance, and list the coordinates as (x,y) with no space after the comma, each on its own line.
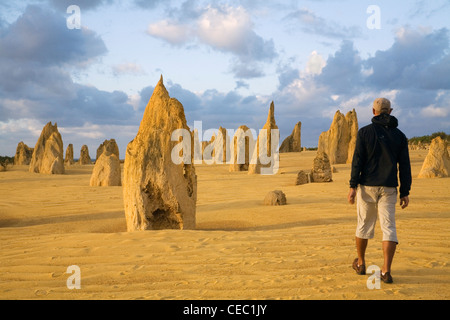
(158,193)
(69,155)
(196,148)
(48,153)
(293,143)
(109,146)
(275,198)
(222,146)
(437,161)
(340,140)
(85,158)
(243,143)
(303,177)
(208,149)
(265,137)
(352,121)
(23,154)
(321,171)
(106,171)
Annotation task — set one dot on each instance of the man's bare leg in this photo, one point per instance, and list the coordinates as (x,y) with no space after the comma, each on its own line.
(388,252)
(361,245)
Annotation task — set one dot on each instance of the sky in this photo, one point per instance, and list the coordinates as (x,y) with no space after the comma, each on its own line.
(92,69)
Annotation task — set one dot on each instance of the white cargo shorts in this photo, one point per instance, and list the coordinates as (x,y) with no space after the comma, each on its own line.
(372,202)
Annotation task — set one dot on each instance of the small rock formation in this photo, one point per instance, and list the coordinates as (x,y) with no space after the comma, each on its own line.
(302,178)
(106,171)
(352,121)
(158,193)
(275,198)
(437,162)
(69,155)
(293,143)
(23,154)
(48,153)
(208,149)
(109,146)
(243,142)
(84,156)
(321,171)
(222,146)
(340,140)
(255,162)
(196,148)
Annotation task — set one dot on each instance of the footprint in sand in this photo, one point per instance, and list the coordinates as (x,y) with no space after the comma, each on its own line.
(391,291)
(434,264)
(134,268)
(57,274)
(40,293)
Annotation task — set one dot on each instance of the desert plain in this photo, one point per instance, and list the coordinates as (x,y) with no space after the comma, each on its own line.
(240,249)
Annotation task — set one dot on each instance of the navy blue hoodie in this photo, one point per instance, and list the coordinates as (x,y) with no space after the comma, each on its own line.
(380,148)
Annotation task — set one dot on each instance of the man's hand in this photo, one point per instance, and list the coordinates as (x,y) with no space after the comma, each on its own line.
(351,195)
(404,202)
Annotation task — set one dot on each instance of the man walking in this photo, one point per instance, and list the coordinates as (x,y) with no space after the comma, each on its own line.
(380,148)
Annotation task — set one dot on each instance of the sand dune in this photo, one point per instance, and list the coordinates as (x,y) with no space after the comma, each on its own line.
(240,249)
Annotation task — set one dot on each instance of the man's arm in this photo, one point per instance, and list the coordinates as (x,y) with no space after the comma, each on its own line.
(351,195)
(404,168)
(357,161)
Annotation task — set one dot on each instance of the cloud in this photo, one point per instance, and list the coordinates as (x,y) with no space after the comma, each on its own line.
(417,59)
(150,4)
(230,29)
(41,36)
(242,84)
(37,54)
(412,73)
(342,71)
(315,63)
(433,111)
(287,73)
(128,68)
(83,4)
(170,31)
(313,24)
(224,28)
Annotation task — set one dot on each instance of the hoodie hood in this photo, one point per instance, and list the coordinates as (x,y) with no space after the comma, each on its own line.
(385,120)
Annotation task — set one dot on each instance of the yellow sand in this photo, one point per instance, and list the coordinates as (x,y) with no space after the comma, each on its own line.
(240,250)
